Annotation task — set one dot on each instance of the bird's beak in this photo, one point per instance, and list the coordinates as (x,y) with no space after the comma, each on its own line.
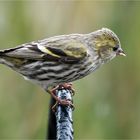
(120,52)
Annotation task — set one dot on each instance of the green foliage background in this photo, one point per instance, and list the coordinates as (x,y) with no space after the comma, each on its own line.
(107,101)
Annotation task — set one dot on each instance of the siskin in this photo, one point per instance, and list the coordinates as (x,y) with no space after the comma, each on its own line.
(62,59)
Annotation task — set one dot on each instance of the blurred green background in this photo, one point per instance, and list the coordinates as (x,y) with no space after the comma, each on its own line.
(107,102)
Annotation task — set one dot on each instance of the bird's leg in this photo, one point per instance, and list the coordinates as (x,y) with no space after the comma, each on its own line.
(65,102)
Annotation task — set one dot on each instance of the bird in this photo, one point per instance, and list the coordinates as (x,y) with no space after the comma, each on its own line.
(62,59)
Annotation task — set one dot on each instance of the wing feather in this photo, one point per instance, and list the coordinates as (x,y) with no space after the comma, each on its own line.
(65,50)
(68,50)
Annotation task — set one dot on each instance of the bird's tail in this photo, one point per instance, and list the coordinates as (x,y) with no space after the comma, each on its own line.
(8,60)
(1,53)
(51,122)
(2,57)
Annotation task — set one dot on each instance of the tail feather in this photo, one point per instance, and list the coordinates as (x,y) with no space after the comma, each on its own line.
(2,60)
(6,60)
(9,50)
(2,52)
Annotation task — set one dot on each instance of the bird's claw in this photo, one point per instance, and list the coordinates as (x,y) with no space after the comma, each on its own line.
(67,86)
(65,102)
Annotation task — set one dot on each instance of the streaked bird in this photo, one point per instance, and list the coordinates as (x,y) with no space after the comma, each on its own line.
(62,59)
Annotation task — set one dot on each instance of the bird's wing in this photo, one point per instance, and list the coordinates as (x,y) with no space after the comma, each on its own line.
(68,51)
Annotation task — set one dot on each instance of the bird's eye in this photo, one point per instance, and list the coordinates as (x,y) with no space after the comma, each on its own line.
(115,48)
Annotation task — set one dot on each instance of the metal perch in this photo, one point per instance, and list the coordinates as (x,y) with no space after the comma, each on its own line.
(62,123)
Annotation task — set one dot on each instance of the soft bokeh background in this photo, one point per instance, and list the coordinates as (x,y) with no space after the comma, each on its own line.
(107,101)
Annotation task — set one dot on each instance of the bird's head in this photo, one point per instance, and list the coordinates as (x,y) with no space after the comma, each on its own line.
(107,44)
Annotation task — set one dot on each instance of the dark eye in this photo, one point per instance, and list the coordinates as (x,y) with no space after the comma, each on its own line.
(115,48)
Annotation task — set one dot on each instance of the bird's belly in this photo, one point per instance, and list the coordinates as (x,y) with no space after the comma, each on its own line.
(52,73)
(81,72)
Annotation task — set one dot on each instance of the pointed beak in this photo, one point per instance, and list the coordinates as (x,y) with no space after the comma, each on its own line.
(120,52)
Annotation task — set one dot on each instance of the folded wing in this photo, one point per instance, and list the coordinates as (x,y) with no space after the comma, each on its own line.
(65,51)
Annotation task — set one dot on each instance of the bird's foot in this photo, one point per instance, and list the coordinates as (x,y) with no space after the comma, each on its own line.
(65,102)
(67,86)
